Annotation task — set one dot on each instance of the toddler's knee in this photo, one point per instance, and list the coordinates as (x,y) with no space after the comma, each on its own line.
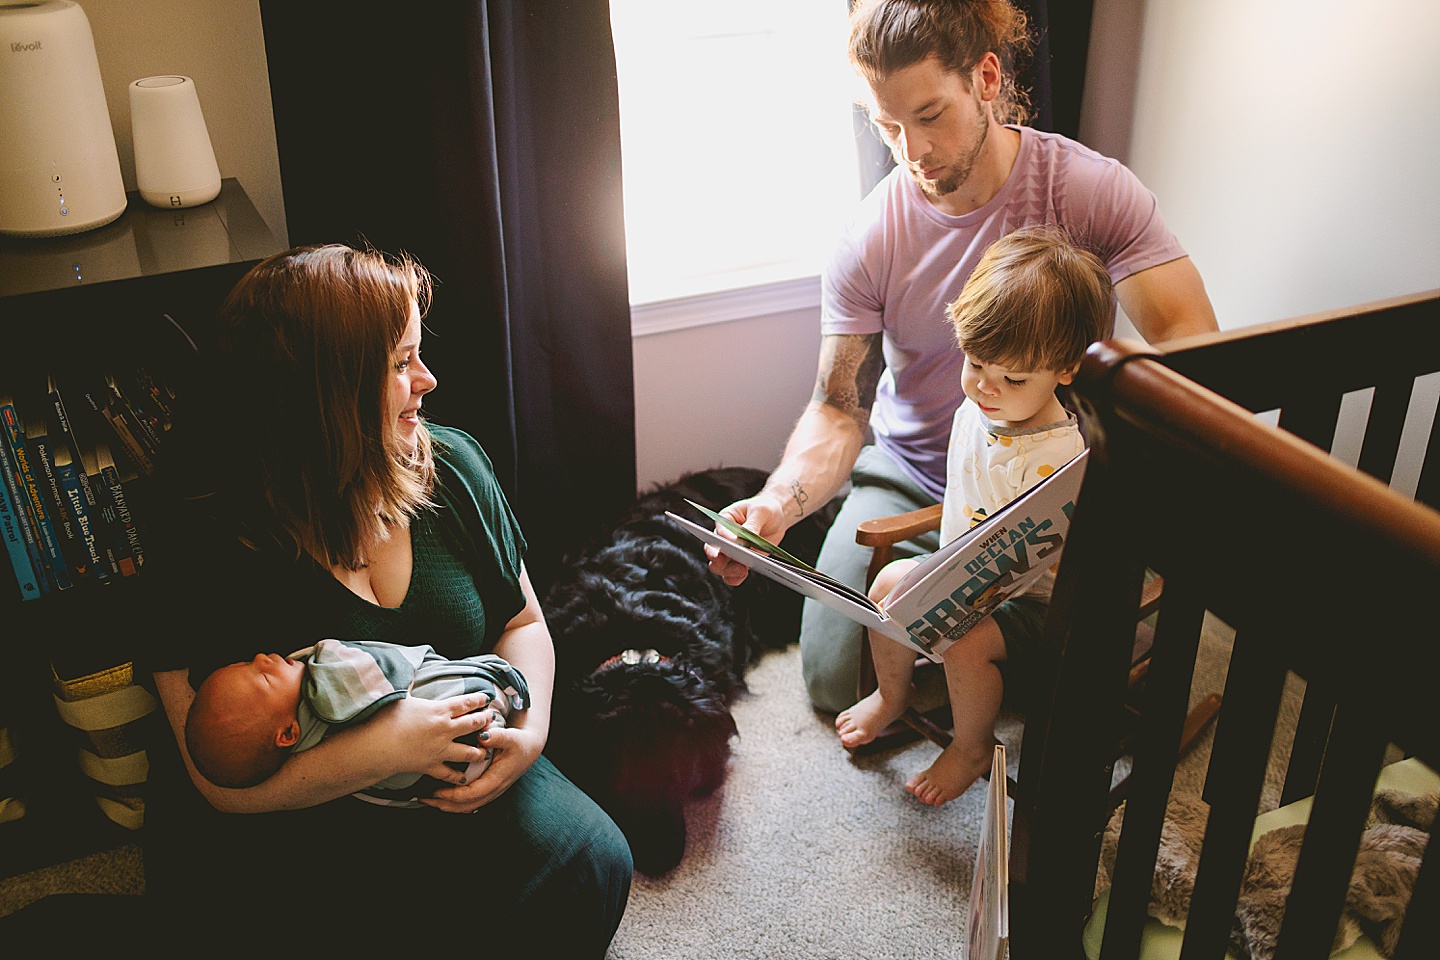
(888,576)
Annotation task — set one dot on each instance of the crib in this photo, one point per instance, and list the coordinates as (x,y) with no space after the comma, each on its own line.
(1220,461)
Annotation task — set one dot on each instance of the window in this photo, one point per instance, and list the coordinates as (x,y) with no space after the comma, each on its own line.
(737,141)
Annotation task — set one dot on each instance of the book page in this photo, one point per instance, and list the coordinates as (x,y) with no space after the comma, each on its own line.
(806,581)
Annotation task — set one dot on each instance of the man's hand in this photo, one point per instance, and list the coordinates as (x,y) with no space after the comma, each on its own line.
(760,514)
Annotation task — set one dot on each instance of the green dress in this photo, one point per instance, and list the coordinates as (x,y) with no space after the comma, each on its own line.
(220,602)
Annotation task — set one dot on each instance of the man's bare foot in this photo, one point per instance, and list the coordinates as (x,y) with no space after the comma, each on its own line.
(951,774)
(866,720)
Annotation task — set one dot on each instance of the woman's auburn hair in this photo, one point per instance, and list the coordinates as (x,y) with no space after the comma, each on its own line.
(306,342)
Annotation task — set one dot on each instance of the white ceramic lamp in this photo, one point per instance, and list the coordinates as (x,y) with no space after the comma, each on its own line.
(174,161)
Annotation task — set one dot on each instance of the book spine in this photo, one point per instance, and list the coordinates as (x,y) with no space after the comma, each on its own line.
(44,530)
(15,546)
(62,522)
(99,527)
(20,507)
(122,509)
(120,430)
(143,426)
(114,546)
(85,525)
(158,396)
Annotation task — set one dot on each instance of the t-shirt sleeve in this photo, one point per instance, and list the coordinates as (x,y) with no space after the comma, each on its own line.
(1124,225)
(850,290)
(474,509)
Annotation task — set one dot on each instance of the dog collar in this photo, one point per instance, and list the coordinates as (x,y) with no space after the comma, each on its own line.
(633,657)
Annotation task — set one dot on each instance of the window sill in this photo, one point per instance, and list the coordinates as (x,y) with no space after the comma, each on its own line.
(743,303)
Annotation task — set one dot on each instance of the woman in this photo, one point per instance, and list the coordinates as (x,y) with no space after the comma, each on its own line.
(329,508)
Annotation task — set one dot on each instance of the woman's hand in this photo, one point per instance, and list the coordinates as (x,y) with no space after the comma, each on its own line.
(526,644)
(517,748)
(419,736)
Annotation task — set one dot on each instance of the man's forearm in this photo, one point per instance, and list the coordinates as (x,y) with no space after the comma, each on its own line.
(818,459)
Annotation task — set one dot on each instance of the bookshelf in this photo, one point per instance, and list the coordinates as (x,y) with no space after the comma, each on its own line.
(97,300)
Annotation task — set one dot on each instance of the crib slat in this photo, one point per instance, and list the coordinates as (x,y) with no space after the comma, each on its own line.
(1342,800)
(1427,490)
(1164,703)
(1253,688)
(1308,749)
(1388,409)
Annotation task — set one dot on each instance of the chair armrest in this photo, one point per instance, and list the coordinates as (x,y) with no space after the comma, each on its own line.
(883,531)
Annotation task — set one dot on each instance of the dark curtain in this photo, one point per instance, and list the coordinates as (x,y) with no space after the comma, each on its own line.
(483,138)
(1054,76)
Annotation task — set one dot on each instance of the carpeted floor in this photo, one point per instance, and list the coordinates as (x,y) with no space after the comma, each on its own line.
(804,854)
(807,854)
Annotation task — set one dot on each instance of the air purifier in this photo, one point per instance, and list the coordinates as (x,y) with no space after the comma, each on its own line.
(174,162)
(59,172)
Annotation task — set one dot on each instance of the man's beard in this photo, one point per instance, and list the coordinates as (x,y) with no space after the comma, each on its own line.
(961,169)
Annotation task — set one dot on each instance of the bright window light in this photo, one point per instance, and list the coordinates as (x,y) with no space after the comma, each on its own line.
(737,142)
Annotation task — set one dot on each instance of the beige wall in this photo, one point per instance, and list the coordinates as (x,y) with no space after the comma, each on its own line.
(721,395)
(1292,144)
(218,44)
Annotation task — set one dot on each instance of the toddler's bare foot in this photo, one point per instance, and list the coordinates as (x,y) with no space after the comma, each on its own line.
(866,720)
(952,773)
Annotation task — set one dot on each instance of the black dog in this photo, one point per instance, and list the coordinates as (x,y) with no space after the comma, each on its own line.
(651,650)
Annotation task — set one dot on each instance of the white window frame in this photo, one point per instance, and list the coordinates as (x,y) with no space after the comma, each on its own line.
(770,24)
(724,306)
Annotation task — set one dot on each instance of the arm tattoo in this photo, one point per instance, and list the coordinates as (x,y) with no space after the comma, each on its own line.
(850,367)
(798,494)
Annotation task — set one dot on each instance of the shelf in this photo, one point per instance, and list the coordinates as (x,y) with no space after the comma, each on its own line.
(99,300)
(144,242)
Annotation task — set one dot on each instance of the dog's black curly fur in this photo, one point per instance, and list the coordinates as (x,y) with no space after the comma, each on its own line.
(643,737)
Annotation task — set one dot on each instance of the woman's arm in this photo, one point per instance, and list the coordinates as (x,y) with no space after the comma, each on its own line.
(526,644)
(407,736)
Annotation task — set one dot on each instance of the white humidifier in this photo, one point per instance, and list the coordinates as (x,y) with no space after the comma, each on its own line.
(174,162)
(59,172)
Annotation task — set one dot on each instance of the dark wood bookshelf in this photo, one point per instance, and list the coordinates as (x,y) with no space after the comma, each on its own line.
(139,291)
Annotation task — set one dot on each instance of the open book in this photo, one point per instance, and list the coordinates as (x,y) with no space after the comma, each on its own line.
(949,591)
(989,932)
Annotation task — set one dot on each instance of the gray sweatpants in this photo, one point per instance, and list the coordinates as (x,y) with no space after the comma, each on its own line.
(830,641)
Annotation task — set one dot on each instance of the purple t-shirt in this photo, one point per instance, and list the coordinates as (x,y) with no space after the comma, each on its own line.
(900,261)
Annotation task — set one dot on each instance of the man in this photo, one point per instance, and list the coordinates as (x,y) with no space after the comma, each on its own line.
(939,98)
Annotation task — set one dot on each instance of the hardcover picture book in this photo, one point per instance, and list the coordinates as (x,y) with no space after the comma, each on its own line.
(949,591)
(988,935)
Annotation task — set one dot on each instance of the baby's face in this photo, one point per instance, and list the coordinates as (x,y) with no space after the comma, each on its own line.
(270,683)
